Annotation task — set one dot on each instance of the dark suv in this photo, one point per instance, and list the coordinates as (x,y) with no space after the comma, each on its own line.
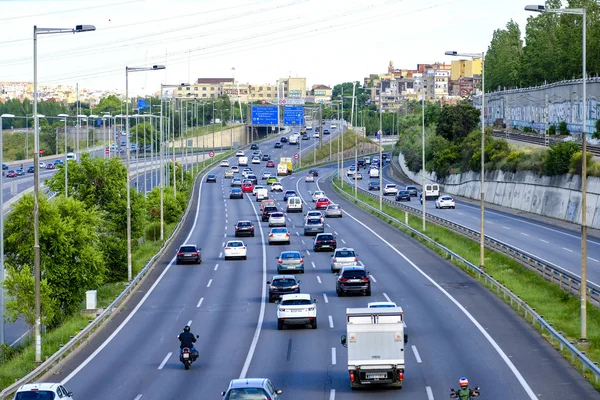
(254,146)
(189,253)
(267,212)
(352,280)
(282,284)
(244,228)
(324,241)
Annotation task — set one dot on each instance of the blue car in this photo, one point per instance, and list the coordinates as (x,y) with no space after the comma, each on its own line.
(59,162)
(236,193)
(374,185)
(20,172)
(4,167)
(30,169)
(288,194)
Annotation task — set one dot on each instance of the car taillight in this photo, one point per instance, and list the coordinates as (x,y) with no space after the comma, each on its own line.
(287,235)
(227,248)
(280,262)
(366,279)
(237,227)
(270,235)
(180,253)
(351,376)
(195,253)
(343,279)
(401,375)
(301,260)
(355,259)
(335,260)
(251,228)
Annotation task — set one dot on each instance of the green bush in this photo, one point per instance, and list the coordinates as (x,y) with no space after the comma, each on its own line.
(576,167)
(552,130)
(562,128)
(527,129)
(152,231)
(558,159)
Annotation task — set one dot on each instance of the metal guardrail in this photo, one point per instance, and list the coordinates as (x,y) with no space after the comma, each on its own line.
(529,313)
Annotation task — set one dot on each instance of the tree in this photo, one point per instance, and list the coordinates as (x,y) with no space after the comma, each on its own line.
(558,158)
(457,121)
(503,58)
(110,103)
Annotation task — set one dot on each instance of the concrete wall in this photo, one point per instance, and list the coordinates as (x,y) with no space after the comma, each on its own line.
(552,196)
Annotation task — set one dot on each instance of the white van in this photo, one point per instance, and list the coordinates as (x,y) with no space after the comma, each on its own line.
(367,160)
(432,191)
(294,204)
(374,173)
(72,156)
(243,161)
(262,194)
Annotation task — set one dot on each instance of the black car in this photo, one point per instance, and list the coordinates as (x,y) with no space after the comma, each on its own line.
(278,145)
(353,279)
(314,172)
(288,194)
(325,131)
(244,228)
(385,157)
(305,136)
(4,167)
(403,195)
(236,193)
(374,185)
(267,212)
(283,139)
(30,169)
(211,178)
(266,157)
(282,284)
(254,146)
(361,162)
(189,253)
(324,241)
(412,190)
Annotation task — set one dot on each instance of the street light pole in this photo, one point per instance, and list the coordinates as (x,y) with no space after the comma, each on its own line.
(423,197)
(65,116)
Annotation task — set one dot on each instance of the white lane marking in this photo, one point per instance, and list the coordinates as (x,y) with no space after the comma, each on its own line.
(209,283)
(216,266)
(429,393)
(223,245)
(524,234)
(138,397)
(226,221)
(335,233)
(593,259)
(225,235)
(325,298)
(297,234)
(372,277)
(143,300)
(220,254)
(308,252)
(481,329)
(333,358)
(331,322)
(200,302)
(303,241)
(505,227)
(459,213)
(162,364)
(417,356)
(387,297)
(343,241)
(261,314)
(361,264)
(545,241)
(313,264)
(569,250)
(332,394)
(189,323)
(319,279)
(329,226)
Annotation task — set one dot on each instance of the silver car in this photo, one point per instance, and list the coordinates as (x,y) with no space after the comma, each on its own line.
(229,173)
(312,226)
(277,219)
(333,210)
(290,261)
(279,235)
(343,257)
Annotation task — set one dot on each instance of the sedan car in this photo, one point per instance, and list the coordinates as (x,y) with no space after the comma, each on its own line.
(277,187)
(265,175)
(390,189)
(211,178)
(312,226)
(270,164)
(445,202)
(296,309)
(244,228)
(42,164)
(288,194)
(317,194)
(290,261)
(189,253)
(325,131)
(323,202)
(240,153)
(251,389)
(333,210)
(235,169)
(272,180)
(309,178)
(20,172)
(31,169)
(314,214)
(324,241)
(279,235)
(412,190)
(247,187)
(278,145)
(305,136)
(256,160)
(50,166)
(236,182)
(314,172)
(354,279)
(277,219)
(255,189)
(228,174)
(235,249)
(281,285)
(236,193)
(403,195)
(343,257)
(254,146)
(358,175)
(224,163)
(11,174)
(43,390)
(266,157)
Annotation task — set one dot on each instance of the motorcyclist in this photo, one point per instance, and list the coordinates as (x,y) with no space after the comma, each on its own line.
(464,393)
(187,340)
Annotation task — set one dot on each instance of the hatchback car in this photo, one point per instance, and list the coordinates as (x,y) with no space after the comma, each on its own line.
(11,174)
(323,202)
(228,174)
(343,257)
(277,187)
(314,172)
(30,169)
(284,139)
(403,195)
(267,211)
(312,226)
(224,163)
(211,178)
(235,249)
(251,389)
(236,182)
(445,202)
(255,189)
(20,172)
(240,153)
(309,178)
(282,284)
(333,210)
(43,390)
(390,189)
(354,279)
(317,194)
(290,261)
(314,214)
(266,157)
(255,160)
(412,190)
(279,235)
(278,145)
(235,169)
(236,193)
(244,228)
(272,180)
(189,253)
(277,219)
(50,166)
(270,164)
(247,187)
(296,309)
(265,175)
(358,175)
(254,146)
(288,194)
(324,241)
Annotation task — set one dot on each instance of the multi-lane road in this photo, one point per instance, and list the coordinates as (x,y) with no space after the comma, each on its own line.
(456,327)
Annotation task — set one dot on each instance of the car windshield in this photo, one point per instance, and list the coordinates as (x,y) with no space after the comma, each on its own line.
(344,253)
(235,244)
(322,200)
(296,302)
(333,207)
(236,191)
(411,188)
(187,249)
(314,214)
(354,274)
(244,223)
(277,215)
(246,394)
(290,192)
(290,255)
(284,282)
(404,192)
(313,222)
(325,237)
(36,395)
(447,198)
(279,230)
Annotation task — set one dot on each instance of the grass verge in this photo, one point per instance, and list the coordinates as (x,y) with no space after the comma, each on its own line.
(558,307)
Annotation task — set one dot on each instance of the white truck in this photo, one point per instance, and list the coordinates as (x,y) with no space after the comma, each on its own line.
(243,161)
(375,340)
(294,138)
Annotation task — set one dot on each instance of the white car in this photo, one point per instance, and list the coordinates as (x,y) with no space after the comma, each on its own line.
(316,134)
(240,153)
(445,202)
(235,249)
(277,187)
(317,194)
(255,160)
(309,178)
(279,235)
(373,173)
(350,171)
(333,126)
(224,163)
(265,175)
(277,219)
(235,169)
(296,309)
(246,172)
(314,214)
(358,175)
(255,188)
(390,189)
(43,390)
(42,164)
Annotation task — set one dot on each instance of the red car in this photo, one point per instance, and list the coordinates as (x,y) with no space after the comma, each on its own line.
(50,166)
(247,187)
(11,174)
(270,164)
(323,202)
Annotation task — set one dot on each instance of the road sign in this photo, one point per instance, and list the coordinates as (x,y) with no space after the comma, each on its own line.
(41,152)
(296,156)
(211,154)
(264,115)
(293,115)
(292,100)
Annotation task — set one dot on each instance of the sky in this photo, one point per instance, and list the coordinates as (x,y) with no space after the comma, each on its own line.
(254,41)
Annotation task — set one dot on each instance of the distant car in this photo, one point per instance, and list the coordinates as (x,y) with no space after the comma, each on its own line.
(309,178)
(251,389)
(314,214)
(252,178)
(374,185)
(211,178)
(296,309)
(333,210)
(280,285)
(20,172)
(265,175)
(403,195)
(42,164)
(189,253)
(240,153)
(256,153)
(278,145)
(313,226)
(277,219)
(343,257)
(247,187)
(333,126)
(59,162)
(314,172)
(236,193)
(358,175)
(272,180)
(324,241)
(445,202)
(4,167)
(316,134)
(290,261)
(236,182)
(266,157)
(244,228)
(353,279)
(255,189)
(283,139)
(11,174)
(317,194)
(43,390)
(323,202)
(325,131)
(235,169)
(50,166)
(412,190)
(254,146)
(235,249)
(288,194)
(350,171)
(31,169)
(279,235)
(305,136)
(256,160)
(267,211)
(224,163)
(277,187)
(390,189)
(228,174)
(270,164)
(382,304)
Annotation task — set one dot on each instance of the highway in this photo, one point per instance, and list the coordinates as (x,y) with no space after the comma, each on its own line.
(456,328)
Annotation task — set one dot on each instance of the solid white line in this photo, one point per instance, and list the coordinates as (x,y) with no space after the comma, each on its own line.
(505,227)
(138,397)
(333,360)
(331,322)
(343,241)
(319,279)
(325,298)
(189,323)
(216,266)
(593,259)
(361,264)
(524,234)
(308,252)
(220,254)
(417,356)
(545,241)
(372,277)
(332,394)
(313,264)
(386,297)
(209,283)
(162,364)
(569,250)
(429,393)
(200,302)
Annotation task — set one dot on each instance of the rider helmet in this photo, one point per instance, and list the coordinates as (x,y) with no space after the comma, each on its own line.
(186,328)
(463,382)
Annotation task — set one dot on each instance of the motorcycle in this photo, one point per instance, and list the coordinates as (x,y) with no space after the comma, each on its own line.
(188,356)
(473,393)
